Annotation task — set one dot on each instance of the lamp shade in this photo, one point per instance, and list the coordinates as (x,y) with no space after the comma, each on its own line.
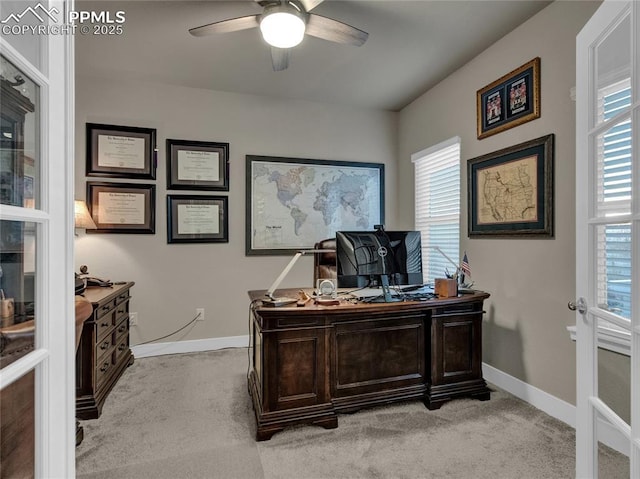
(282,27)
(82,217)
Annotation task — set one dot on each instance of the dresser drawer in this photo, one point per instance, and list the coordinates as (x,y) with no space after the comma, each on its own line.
(104,347)
(103,371)
(104,325)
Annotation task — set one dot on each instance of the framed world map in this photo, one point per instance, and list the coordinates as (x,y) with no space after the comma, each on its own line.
(292,203)
(511,190)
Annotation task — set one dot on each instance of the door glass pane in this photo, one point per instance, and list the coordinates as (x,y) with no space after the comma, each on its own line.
(614,182)
(613,59)
(613,249)
(20,19)
(19,140)
(17,289)
(17,428)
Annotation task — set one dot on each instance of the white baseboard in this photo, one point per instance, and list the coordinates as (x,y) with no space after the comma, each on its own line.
(553,406)
(539,399)
(193,346)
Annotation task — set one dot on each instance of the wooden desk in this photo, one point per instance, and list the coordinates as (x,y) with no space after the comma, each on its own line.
(309,363)
(103,353)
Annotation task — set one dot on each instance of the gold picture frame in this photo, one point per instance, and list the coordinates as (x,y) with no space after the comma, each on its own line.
(509,101)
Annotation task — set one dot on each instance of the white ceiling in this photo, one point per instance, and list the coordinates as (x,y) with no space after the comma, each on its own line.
(412,46)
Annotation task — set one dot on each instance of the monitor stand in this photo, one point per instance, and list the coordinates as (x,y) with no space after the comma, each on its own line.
(386,296)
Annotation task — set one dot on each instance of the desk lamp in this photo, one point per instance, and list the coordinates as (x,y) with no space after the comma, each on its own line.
(271,300)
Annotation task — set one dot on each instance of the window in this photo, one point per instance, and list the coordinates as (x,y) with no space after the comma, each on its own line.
(614,199)
(437,207)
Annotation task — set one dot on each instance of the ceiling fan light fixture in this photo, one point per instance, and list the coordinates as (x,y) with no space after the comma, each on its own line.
(282,27)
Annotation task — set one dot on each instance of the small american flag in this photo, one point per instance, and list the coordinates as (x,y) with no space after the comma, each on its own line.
(466,269)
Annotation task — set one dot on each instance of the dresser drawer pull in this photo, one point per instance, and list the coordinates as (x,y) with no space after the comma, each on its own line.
(123,296)
(104,325)
(122,328)
(105,345)
(106,308)
(122,347)
(104,367)
(120,311)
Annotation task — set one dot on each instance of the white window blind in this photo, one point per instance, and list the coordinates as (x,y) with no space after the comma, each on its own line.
(614,200)
(437,206)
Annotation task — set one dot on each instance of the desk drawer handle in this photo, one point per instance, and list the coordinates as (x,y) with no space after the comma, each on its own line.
(104,367)
(105,345)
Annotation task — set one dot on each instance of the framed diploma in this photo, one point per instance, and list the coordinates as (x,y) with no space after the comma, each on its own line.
(197,165)
(121,151)
(122,207)
(197,219)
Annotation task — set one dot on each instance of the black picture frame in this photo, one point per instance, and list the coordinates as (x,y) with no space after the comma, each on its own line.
(197,219)
(122,207)
(510,191)
(314,197)
(197,165)
(509,101)
(121,151)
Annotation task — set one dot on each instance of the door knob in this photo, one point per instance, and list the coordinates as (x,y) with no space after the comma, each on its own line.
(580,305)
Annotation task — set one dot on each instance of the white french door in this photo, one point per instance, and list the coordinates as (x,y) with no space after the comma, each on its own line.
(36,231)
(607,217)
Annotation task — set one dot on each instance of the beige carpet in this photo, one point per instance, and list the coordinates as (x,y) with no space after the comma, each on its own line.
(189,416)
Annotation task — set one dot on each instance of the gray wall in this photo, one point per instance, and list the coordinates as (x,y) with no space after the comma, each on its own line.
(530,280)
(172,280)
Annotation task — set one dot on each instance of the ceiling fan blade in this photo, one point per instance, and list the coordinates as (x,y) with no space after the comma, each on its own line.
(310,4)
(334,31)
(280,58)
(225,26)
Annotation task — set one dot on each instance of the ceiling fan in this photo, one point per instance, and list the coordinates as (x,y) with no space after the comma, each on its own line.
(283,24)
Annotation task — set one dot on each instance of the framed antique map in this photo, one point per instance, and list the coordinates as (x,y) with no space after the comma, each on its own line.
(292,203)
(511,191)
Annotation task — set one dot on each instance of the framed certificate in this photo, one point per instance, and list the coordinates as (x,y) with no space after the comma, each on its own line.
(122,207)
(197,165)
(121,151)
(197,219)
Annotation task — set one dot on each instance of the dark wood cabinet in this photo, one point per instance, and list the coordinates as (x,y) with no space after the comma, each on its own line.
(104,352)
(310,363)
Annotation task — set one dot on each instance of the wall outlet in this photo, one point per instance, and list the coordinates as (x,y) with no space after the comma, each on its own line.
(133,319)
(200,314)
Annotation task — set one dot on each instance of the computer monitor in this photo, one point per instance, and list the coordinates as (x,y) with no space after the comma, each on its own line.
(378,259)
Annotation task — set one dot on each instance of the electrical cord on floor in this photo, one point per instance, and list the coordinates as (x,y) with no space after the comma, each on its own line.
(171,334)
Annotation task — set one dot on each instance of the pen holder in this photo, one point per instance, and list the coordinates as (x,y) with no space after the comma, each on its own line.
(446,287)
(6,311)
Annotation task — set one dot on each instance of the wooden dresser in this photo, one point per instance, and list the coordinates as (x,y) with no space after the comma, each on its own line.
(103,353)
